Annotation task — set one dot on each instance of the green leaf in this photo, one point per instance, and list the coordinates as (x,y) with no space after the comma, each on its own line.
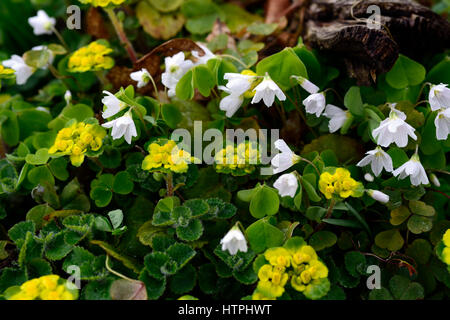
(405,72)
(91,267)
(353,101)
(322,239)
(389,239)
(265,202)
(403,289)
(116,217)
(159,265)
(58,168)
(200,78)
(310,190)
(421,208)
(419,224)
(315,213)
(193,231)
(201,15)
(198,207)
(57,248)
(41,157)
(263,29)
(171,115)
(19,231)
(263,235)
(102,223)
(181,254)
(281,66)
(380,294)
(355,263)
(184,280)
(123,183)
(419,250)
(399,215)
(10,130)
(155,287)
(41,175)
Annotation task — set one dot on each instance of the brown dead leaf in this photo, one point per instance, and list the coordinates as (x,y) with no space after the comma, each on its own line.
(95,24)
(123,289)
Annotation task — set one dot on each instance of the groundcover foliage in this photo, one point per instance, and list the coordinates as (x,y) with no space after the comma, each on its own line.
(352,202)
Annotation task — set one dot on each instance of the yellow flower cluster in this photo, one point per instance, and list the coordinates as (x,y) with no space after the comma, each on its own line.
(78,139)
(339,184)
(168,157)
(91,58)
(50,287)
(5,71)
(296,261)
(238,161)
(446,249)
(102,3)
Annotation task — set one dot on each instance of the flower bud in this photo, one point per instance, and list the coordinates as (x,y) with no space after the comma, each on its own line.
(368,177)
(434,179)
(378,195)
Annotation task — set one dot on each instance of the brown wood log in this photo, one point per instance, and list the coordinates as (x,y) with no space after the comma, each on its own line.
(339,27)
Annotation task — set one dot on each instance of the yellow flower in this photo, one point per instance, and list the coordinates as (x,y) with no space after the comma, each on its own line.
(91,58)
(446,238)
(278,257)
(271,281)
(339,184)
(168,157)
(238,161)
(5,71)
(102,3)
(77,140)
(446,255)
(303,255)
(50,287)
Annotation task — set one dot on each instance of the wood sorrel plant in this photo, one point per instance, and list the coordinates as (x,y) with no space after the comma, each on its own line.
(96,177)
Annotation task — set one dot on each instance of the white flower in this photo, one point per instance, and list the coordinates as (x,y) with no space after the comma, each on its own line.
(205,57)
(310,87)
(439,97)
(286,185)
(42,23)
(368,177)
(176,68)
(23,71)
(68,97)
(142,77)
(231,103)
(234,241)
(434,179)
(122,127)
(442,123)
(394,129)
(414,169)
(51,57)
(337,117)
(236,86)
(378,195)
(378,160)
(113,105)
(315,103)
(267,90)
(284,160)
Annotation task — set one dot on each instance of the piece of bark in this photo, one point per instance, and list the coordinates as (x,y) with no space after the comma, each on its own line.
(408,28)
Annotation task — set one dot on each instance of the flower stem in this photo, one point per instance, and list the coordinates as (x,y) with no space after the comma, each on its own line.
(235,59)
(169,184)
(60,38)
(115,272)
(121,34)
